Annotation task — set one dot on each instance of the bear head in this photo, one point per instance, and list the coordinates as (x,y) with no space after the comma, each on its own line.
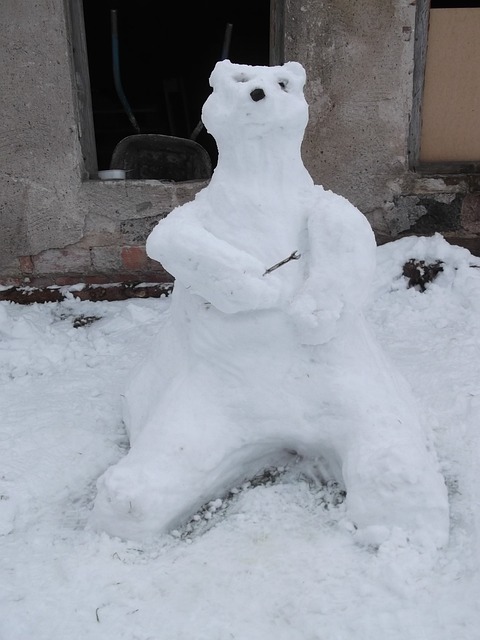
(250,102)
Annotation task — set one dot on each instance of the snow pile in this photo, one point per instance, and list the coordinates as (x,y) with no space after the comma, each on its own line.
(265,353)
(275,561)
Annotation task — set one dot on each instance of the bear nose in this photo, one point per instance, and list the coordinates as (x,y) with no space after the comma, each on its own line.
(257,94)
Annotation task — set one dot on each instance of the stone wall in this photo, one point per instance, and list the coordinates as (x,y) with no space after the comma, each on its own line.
(116,219)
(39,162)
(359,58)
(57,225)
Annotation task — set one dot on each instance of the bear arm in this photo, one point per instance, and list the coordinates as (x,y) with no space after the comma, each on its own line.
(340,267)
(225,276)
(342,252)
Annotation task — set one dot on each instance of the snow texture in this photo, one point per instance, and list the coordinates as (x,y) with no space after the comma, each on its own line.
(260,358)
(270,561)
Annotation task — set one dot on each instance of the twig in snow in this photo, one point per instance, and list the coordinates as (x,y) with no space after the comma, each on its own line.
(293,256)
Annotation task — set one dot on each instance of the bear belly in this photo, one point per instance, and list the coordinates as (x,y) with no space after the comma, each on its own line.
(212,334)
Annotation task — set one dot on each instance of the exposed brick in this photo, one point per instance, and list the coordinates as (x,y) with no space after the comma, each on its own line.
(26,264)
(7,281)
(134,258)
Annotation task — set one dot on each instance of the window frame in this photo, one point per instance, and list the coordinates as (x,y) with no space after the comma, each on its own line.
(81,86)
(81,77)
(420,55)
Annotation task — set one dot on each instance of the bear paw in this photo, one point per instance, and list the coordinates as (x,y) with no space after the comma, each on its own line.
(314,325)
(121,489)
(120,506)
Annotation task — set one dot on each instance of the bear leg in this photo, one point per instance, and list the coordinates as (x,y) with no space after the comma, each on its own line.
(182,458)
(392,481)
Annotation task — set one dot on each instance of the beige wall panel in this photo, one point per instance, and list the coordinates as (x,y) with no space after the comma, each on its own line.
(451,101)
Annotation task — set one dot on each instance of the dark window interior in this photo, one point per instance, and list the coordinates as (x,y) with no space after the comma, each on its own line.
(167,51)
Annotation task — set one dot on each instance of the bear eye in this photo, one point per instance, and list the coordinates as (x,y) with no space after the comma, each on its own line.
(283,84)
(241,77)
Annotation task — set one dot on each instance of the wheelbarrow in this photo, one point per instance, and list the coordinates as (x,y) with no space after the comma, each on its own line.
(152,156)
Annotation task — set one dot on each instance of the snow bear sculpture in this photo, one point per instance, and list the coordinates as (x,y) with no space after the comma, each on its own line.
(265,349)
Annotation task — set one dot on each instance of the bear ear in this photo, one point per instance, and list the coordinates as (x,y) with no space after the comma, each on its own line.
(221,70)
(296,69)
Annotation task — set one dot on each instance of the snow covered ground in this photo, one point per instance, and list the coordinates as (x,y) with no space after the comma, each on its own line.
(274,561)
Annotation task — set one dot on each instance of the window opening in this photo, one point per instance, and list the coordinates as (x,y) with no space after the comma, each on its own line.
(445,137)
(166,52)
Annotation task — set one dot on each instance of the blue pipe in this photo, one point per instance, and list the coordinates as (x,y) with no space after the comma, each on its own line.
(116,71)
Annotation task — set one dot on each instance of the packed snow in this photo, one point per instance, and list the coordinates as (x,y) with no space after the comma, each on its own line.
(261,356)
(313,510)
(271,560)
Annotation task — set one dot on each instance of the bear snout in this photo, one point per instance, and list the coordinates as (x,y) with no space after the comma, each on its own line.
(257,94)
